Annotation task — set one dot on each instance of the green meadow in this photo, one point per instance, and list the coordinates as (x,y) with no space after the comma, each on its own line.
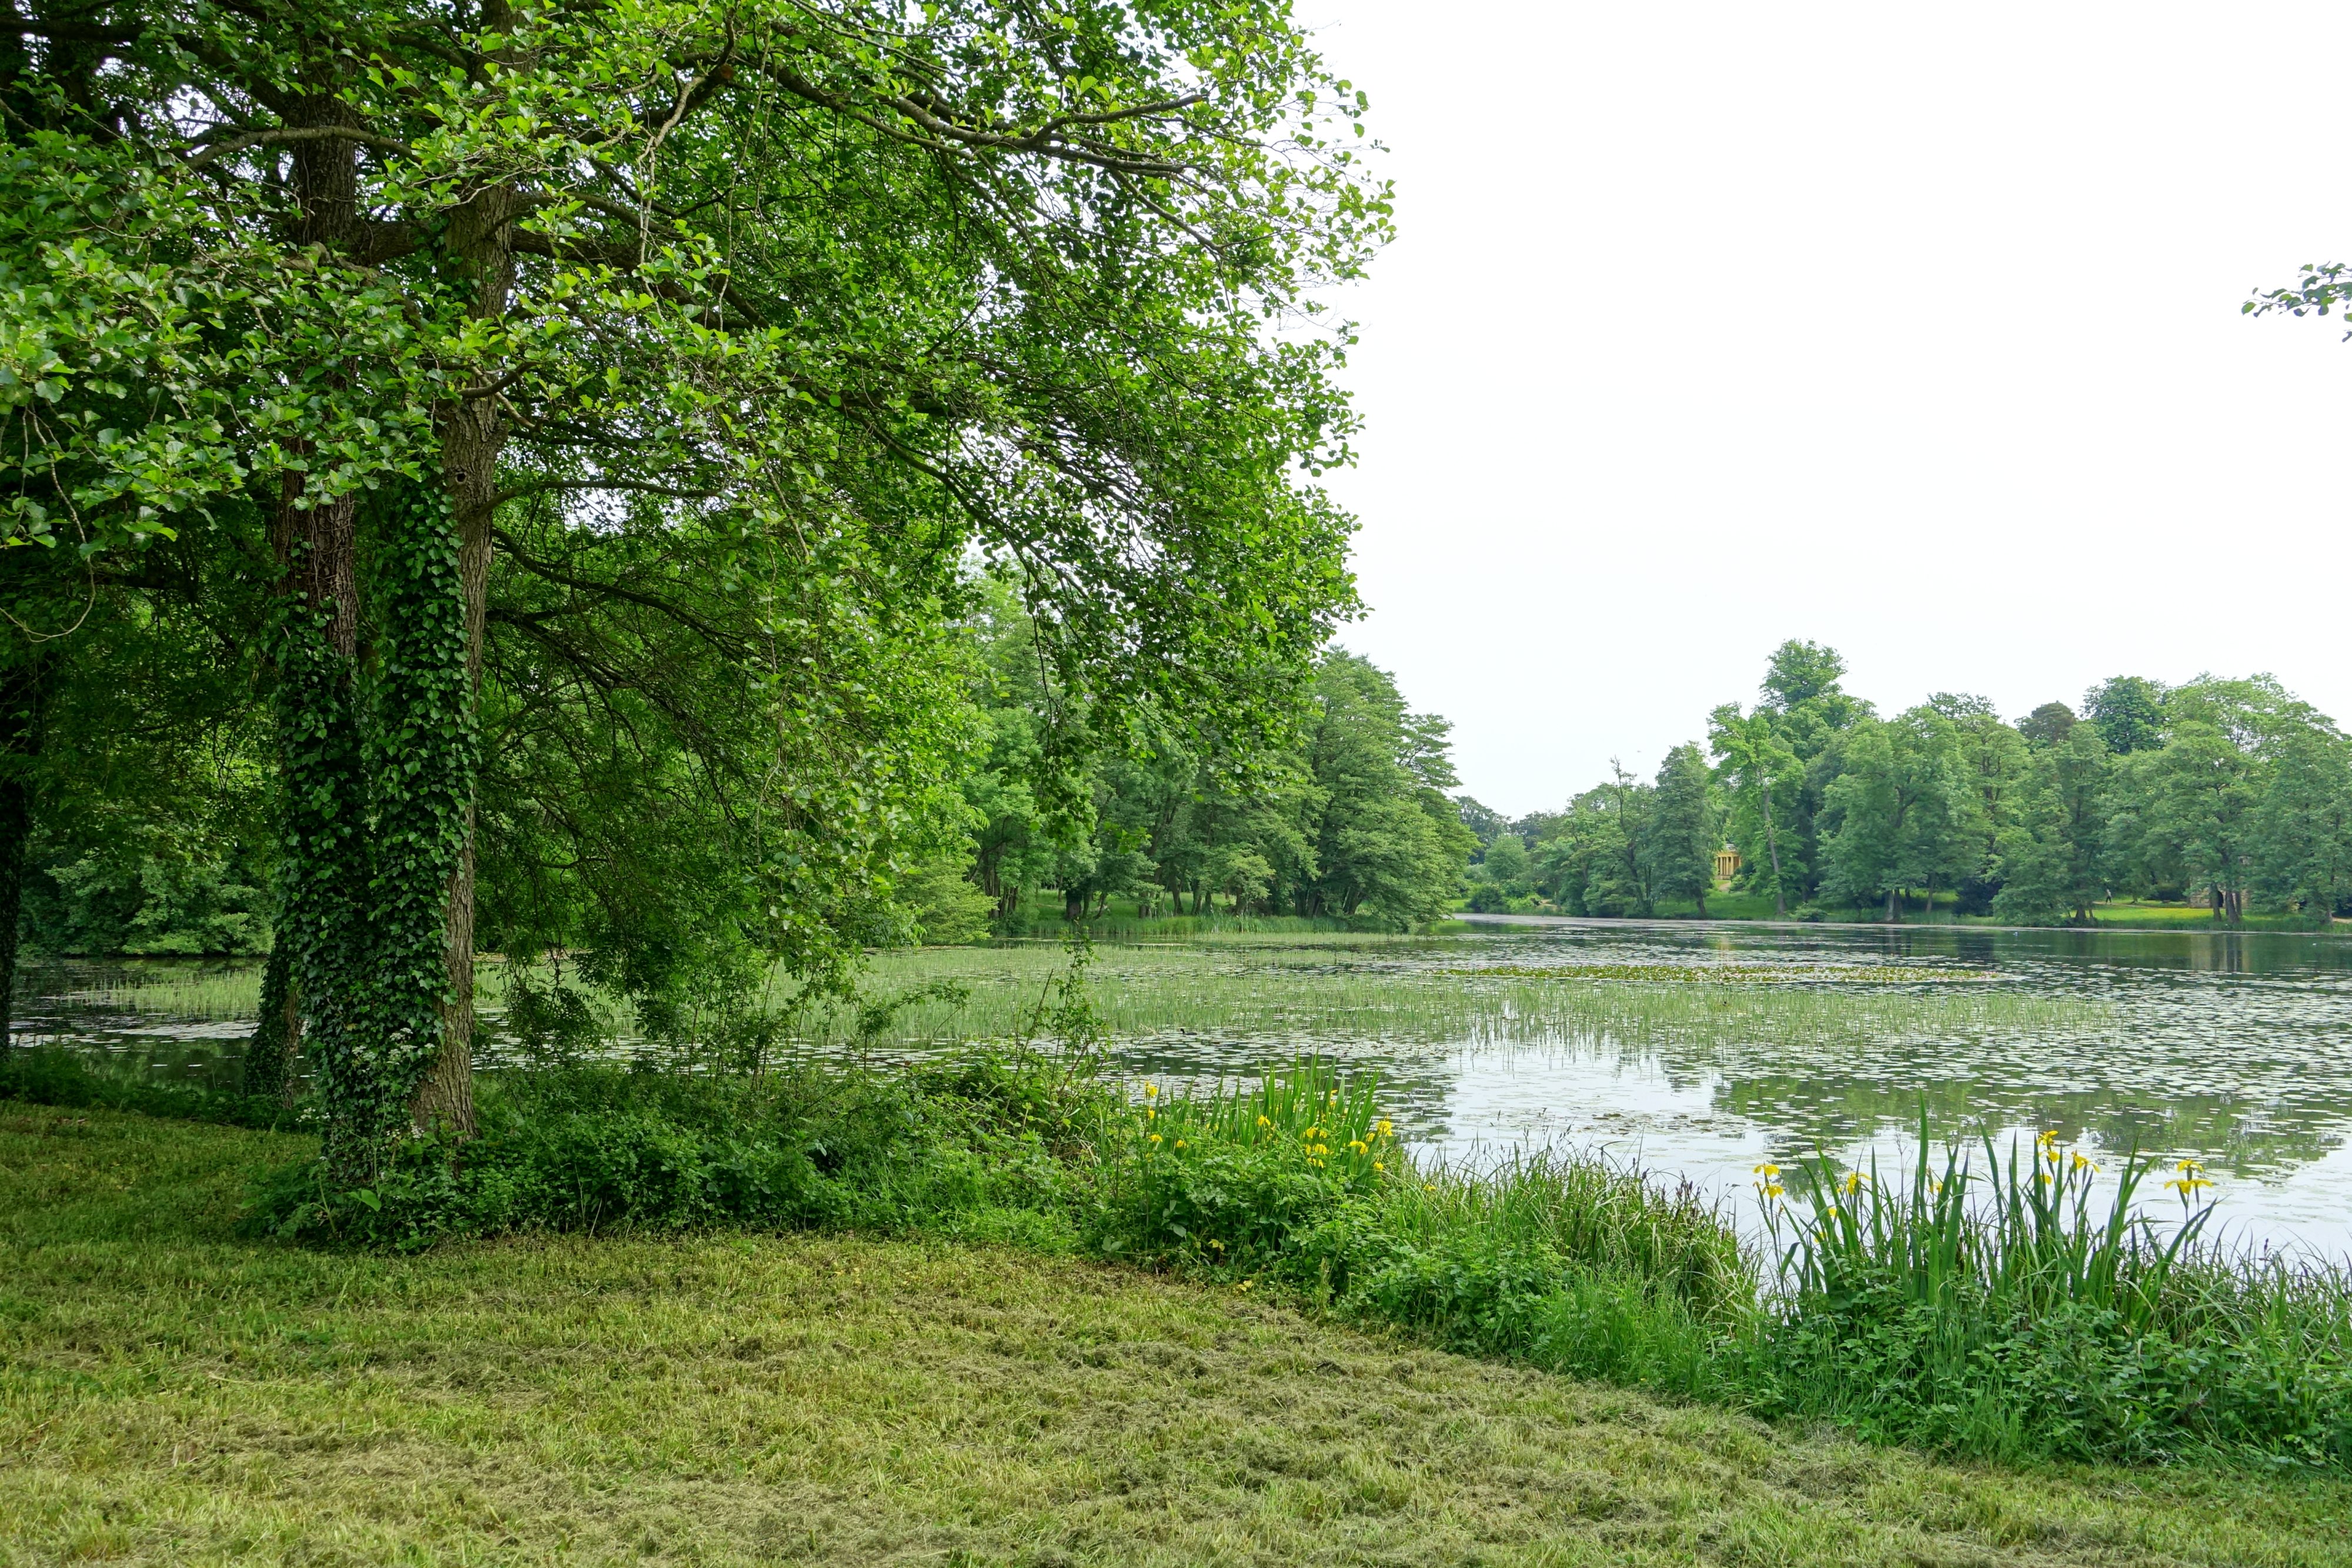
(172,1392)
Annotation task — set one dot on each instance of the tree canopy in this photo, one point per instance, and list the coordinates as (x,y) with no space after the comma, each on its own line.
(600,413)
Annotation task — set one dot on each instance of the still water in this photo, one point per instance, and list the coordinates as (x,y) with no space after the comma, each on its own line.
(2232,1049)
(2235,1050)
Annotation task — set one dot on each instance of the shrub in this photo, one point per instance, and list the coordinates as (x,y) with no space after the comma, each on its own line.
(593,1148)
(1236,1178)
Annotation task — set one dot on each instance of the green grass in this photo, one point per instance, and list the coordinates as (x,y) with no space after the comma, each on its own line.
(2135,914)
(171,1393)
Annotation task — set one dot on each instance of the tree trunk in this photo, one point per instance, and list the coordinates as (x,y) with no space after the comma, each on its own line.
(15,828)
(1893,908)
(1772,847)
(23,692)
(472,435)
(268,1051)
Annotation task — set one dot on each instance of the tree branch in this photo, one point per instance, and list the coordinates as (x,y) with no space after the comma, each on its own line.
(556,574)
(253,138)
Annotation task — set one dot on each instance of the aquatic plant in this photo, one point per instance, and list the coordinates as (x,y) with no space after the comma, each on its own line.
(2006,1309)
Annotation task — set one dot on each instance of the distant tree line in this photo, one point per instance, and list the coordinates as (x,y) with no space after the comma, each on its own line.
(2230,792)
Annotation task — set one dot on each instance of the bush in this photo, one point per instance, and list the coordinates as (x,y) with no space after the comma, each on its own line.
(1236,1179)
(597,1148)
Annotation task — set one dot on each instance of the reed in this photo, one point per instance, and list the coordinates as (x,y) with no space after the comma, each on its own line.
(2009,1307)
(214,994)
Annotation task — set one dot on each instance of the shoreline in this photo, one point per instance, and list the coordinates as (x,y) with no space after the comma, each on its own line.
(2340,931)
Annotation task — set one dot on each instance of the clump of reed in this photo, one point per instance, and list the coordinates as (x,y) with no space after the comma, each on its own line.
(212,993)
(2006,1310)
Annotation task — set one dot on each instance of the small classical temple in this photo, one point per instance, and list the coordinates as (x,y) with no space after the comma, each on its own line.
(1727,866)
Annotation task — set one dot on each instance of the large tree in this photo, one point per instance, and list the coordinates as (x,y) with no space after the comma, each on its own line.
(2128,711)
(1900,812)
(751,319)
(1764,776)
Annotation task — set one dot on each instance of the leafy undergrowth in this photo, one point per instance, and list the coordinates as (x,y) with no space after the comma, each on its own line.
(172,1392)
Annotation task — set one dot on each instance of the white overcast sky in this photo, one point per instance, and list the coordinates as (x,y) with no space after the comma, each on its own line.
(1909,329)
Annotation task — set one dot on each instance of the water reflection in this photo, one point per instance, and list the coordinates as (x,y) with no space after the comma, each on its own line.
(2233,1049)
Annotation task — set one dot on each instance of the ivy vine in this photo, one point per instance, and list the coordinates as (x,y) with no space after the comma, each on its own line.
(379,763)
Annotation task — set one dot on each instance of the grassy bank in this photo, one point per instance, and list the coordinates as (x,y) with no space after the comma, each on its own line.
(2053,1329)
(172,1393)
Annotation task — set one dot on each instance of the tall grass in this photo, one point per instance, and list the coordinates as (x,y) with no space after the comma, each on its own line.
(218,994)
(2004,1310)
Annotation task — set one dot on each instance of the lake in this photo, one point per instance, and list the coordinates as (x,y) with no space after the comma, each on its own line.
(1695,1050)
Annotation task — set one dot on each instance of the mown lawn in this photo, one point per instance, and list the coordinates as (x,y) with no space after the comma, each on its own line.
(169,1394)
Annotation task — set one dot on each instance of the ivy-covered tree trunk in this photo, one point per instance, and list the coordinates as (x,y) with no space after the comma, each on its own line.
(379,777)
(377,762)
(376,740)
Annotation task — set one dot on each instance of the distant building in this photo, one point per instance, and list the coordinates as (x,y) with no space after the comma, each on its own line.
(1727,866)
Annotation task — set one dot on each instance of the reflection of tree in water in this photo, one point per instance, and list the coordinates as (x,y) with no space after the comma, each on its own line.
(2227,1045)
(2247,1138)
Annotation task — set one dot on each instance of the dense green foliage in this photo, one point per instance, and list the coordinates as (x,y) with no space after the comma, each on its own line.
(588,432)
(2232,792)
(1349,820)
